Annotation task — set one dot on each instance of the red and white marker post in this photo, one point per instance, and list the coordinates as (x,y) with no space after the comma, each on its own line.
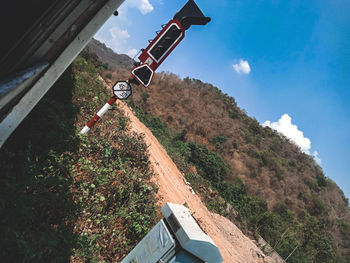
(122,91)
(156,52)
(97,116)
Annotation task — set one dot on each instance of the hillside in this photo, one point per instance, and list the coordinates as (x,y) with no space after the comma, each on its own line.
(71,198)
(234,246)
(278,191)
(107,55)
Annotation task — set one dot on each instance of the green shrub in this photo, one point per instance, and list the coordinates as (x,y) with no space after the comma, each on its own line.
(321,180)
(64,196)
(208,164)
(344,227)
(144,96)
(218,141)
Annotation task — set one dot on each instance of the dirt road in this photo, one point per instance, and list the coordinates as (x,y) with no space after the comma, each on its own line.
(233,244)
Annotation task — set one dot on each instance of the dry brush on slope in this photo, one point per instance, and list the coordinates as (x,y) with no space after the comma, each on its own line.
(268,164)
(66,197)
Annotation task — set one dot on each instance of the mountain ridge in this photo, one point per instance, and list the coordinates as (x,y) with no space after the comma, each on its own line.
(269,165)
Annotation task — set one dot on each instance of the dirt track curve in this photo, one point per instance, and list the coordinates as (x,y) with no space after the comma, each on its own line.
(233,244)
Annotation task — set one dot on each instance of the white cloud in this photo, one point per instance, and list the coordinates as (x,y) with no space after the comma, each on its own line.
(115,32)
(132,52)
(144,6)
(242,67)
(118,41)
(284,125)
(316,158)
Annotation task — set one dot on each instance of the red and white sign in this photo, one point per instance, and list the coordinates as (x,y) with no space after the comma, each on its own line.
(158,50)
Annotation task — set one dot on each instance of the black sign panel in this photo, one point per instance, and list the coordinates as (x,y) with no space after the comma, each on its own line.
(165,42)
(144,74)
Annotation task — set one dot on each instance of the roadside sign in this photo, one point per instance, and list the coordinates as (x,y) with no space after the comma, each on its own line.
(121,90)
(143,74)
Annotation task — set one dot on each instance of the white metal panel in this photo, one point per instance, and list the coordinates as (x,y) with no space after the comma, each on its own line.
(33,96)
(151,249)
(189,234)
(184,257)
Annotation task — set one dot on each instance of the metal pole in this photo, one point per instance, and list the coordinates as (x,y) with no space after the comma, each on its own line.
(99,114)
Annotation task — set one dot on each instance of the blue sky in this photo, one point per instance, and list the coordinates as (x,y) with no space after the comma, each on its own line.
(287,63)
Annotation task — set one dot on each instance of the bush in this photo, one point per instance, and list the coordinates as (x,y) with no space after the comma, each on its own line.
(66,197)
(321,180)
(208,164)
(279,227)
(218,141)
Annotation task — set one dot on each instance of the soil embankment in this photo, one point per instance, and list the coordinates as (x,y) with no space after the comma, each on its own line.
(233,244)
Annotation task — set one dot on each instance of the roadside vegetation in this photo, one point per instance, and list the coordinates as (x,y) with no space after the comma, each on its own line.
(208,174)
(66,197)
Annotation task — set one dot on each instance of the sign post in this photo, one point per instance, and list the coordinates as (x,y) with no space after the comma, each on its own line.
(156,52)
(121,90)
